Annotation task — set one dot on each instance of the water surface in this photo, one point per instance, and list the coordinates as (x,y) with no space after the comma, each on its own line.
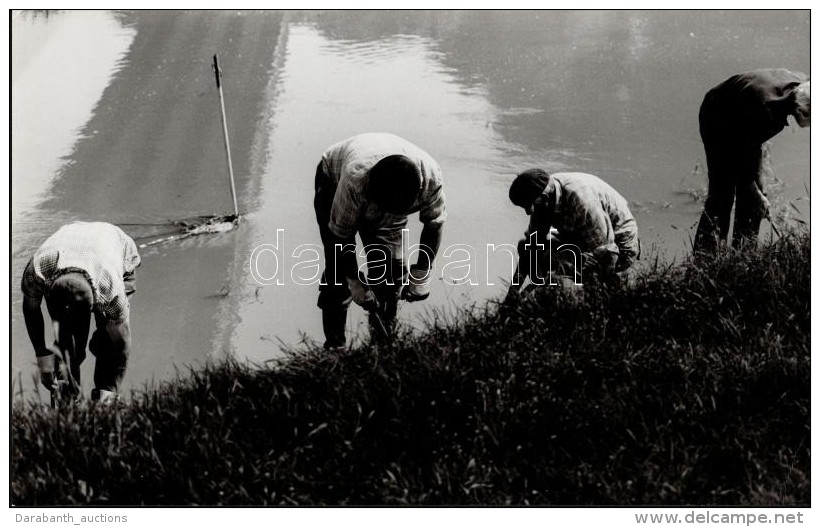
(114,118)
(57,77)
(489,94)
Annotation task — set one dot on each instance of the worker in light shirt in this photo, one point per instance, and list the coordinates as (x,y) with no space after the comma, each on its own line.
(369,184)
(578,224)
(82,269)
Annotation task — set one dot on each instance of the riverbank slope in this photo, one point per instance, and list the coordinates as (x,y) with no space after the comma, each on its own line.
(690,388)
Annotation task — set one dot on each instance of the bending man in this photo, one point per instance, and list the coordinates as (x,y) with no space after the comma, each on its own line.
(369,184)
(736,118)
(577,221)
(81,269)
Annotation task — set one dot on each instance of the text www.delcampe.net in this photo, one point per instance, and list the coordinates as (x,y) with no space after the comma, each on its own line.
(721,518)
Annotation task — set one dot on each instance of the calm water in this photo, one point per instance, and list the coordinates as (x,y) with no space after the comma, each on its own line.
(488,94)
(58,74)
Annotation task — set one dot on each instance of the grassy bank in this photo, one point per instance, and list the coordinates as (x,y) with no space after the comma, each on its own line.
(692,387)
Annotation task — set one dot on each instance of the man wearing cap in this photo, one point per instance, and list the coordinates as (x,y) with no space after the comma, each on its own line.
(81,269)
(736,117)
(370,183)
(571,213)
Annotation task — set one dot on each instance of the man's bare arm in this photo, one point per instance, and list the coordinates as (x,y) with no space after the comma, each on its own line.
(35,325)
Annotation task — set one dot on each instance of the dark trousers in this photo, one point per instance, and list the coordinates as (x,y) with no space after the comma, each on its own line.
(71,341)
(735,170)
(384,276)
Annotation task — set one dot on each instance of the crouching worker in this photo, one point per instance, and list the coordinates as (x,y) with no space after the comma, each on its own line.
(369,184)
(579,225)
(82,269)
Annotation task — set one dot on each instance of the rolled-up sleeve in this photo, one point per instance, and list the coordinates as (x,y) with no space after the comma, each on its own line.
(31,284)
(434,210)
(131,257)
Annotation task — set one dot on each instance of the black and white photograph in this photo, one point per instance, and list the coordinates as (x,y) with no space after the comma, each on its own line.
(400,258)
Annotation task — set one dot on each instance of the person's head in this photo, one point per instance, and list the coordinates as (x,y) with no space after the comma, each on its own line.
(394,184)
(69,296)
(527,187)
(802,104)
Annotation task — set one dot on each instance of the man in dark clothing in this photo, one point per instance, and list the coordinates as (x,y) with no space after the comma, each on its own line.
(736,118)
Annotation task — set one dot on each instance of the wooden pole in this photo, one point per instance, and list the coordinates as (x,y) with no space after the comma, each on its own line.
(218,73)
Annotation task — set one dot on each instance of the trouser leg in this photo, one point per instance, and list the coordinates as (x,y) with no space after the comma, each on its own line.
(334,302)
(747,219)
(71,341)
(111,360)
(334,295)
(749,206)
(713,227)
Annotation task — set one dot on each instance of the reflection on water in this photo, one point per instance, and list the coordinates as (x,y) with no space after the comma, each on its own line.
(617,92)
(489,93)
(61,62)
(329,90)
(149,155)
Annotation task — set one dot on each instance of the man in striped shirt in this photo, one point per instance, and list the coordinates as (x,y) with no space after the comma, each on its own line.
(81,269)
(369,184)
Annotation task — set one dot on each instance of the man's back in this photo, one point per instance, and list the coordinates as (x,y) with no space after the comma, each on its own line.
(356,155)
(348,164)
(580,194)
(100,250)
(752,105)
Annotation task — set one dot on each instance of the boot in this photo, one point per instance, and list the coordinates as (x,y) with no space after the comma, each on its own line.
(334,320)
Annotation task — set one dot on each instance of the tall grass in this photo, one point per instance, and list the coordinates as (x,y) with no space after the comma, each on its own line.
(691,386)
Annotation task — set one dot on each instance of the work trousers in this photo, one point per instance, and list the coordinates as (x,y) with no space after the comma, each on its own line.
(735,171)
(385,273)
(111,363)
